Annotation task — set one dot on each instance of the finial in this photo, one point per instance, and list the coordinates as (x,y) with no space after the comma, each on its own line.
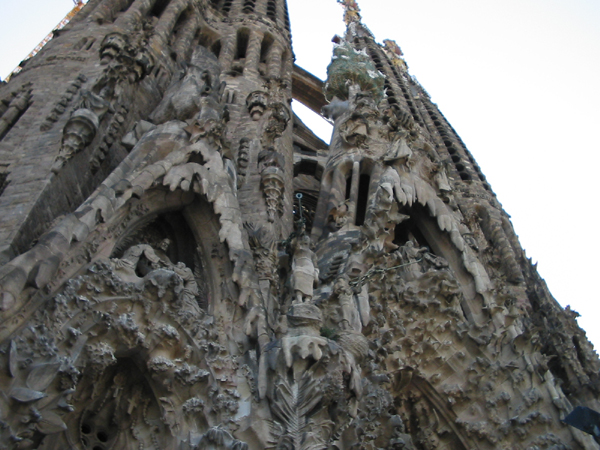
(352,14)
(394,53)
(352,67)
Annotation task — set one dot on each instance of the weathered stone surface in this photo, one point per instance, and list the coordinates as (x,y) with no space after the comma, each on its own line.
(187,266)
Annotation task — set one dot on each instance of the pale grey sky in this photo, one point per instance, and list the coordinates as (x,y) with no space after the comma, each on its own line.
(517,79)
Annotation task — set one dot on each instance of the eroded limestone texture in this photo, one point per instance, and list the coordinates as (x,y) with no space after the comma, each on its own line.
(187,266)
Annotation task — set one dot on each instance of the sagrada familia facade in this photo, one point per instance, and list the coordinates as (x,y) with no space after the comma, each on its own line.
(185,265)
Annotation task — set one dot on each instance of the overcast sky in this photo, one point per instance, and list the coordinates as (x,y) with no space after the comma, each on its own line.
(517,79)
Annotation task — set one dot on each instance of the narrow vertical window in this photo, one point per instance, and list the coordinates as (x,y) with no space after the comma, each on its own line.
(265,47)
(3,177)
(272,10)
(226,7)
(242,43)
(363,197)
(348,186)
(249,6)
(159,8)
(216,48)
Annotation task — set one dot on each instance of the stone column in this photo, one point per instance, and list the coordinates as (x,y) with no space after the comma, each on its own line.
(274,61)
(167,21)
(134,15)
(105,9)
(228,50)
(183,45)
(253,51)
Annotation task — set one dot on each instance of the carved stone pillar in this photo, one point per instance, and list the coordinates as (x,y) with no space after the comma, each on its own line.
(108,9)
(183,46)
(227,52)
(167,21)
(253,51)
(134,15)
(274,61)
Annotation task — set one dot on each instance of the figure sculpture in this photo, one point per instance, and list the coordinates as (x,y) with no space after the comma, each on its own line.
(350,317)
(305,272)
(141,259)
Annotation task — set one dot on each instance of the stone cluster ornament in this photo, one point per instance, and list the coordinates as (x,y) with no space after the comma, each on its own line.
(125,63)
(272,181)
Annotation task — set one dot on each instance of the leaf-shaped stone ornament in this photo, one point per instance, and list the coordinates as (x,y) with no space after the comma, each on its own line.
(42,375)
(51,423)
(25,395)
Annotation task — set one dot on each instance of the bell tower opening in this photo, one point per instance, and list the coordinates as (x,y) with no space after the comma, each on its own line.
(363,199)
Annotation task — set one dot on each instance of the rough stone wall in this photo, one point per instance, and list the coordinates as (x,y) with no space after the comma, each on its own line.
(165,286)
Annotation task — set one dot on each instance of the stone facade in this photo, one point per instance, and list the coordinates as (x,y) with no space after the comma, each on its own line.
(185,265)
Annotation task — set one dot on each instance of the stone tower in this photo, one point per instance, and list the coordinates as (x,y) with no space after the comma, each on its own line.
(185,265)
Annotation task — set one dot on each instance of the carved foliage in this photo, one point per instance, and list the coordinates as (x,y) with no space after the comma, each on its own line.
(118,336)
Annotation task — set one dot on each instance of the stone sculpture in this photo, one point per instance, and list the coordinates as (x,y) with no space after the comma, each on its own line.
(209,274)
(305,272)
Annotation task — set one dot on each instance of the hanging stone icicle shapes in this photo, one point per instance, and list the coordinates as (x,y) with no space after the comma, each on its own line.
(125,63)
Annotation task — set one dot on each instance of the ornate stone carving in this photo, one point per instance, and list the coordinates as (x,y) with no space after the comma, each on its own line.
(305,272)
(276,124)
(271,174)
(77,134)
(400,323)
(256,103)
(194,84)
(382,218)
(243,159)
(125,63)
(352,67)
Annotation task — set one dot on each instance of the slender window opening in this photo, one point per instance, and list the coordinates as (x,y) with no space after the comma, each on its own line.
(4,173)
(226,7)
(159,8)
(348,186)
(249,6)
(265,47)
(272,10)
(363,198)
(286,17)
(216,48)
(242,43)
